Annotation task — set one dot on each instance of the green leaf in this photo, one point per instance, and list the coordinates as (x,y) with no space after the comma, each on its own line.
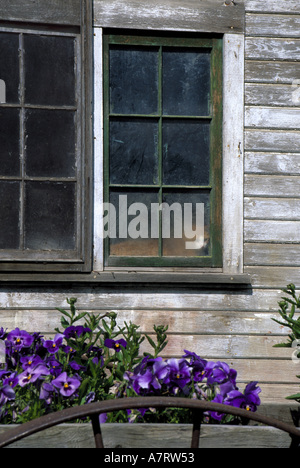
(294,397)
(64,312)
(151,342)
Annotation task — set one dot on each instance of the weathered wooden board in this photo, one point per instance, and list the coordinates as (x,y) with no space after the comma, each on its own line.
(272,186)
(269,25)
(273,276)
(273,6)
(272,231)
(171,15)
(66,12)
(93,299)
(183,322)
(272,117)
(285,141)
(155,436)
(272,164)
(271,95)
(281,255)
(272,208)
(272,49)
(271,71)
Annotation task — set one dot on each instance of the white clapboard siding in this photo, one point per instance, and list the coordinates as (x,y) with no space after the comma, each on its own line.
(272,208)
(273,72)
(257,94)
(273,25)
(272,186)
(263,48)
(272,231)
(273,6)
(272,164)
(279,255)
(272,117)
(272,140)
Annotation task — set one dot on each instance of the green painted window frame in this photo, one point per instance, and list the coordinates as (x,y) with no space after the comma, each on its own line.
(215,44)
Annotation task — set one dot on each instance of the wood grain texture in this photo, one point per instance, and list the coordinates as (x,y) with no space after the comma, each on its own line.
(273,6)
(191,15)
(66,12)
(155,436)
(272,163)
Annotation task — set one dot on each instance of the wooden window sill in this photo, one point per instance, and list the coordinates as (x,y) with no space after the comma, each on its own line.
(170,279)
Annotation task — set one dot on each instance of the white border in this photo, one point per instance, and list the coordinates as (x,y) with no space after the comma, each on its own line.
(233,153)
(98,151)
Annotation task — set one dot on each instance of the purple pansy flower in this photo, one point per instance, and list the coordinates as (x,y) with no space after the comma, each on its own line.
(20,339)
(30,361)
(32,374)
(179,374)
(221,373)
(12,380)
(248,401)
(149,378)
(53,346)
(66,385)
(74,332)
(6,394)
(115,344)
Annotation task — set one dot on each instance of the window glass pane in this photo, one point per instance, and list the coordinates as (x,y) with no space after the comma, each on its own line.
(130,226)
(9,142)
(186,228)
(9,66)
(49,70)
(133,80)
(50,216)
(133,152)
(186,82)
(50,143)
(9,214)
(186,157)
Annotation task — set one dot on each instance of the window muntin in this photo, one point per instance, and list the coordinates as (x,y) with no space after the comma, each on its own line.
(163,144)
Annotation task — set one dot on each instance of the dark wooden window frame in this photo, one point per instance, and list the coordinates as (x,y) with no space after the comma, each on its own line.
(215,45)
(75,21)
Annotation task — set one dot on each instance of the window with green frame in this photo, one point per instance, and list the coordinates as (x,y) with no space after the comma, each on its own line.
(162,150)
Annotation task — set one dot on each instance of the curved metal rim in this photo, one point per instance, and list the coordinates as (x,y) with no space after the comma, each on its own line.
(108,406)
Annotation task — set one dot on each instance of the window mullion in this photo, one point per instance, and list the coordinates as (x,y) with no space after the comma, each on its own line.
(160,148)
(22,141)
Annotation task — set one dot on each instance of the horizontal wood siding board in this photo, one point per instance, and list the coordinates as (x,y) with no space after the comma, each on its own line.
(273,6)
(273,72)
(190,15)
(62,12)
(273,276)
(272,208)
(272,117)
(100,299)
(272,231)
(272,164)
(269,25)
(272,140)
(200,322)
(263,48)
(270,95)
(277,255)
(272,186)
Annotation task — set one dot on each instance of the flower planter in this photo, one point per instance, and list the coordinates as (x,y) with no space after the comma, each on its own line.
(176,436)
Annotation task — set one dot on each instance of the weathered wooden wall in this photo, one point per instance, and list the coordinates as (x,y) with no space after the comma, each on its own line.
(231,325)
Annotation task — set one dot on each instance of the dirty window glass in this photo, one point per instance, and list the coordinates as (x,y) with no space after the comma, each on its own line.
(161,137)
(39,168)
